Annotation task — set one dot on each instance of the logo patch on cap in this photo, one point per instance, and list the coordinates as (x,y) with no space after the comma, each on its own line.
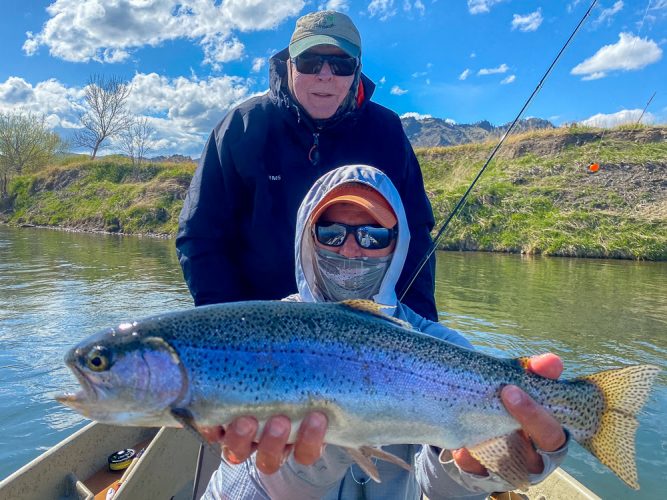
(325,22)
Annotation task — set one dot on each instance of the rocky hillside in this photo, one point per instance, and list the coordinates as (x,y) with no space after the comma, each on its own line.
(431,132)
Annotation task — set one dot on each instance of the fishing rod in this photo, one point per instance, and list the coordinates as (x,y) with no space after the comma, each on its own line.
(438,237)
(644,110)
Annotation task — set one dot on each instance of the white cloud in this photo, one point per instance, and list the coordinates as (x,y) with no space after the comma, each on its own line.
(85,30)
(629,53)
(182,110)
(507,80)
(416,116)
(417,74)
(572,5)
(258,63)
(620,118)
(465,74)
(382,81)
(493,71)
(218,50)
(608,14)
(189,103)
(50,98)
(337,5)
(529,22)
(418,5)
(481,6)
(384,9)
(450,121)
(396,90)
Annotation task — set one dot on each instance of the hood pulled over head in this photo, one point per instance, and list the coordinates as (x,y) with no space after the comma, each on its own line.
(380,198)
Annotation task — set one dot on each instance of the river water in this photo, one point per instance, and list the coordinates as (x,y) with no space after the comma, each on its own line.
(58,287)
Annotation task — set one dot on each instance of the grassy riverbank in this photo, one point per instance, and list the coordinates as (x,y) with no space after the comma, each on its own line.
(108,194)
(537,196)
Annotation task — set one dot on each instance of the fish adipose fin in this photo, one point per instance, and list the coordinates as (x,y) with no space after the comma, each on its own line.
(362,456)
(505,456)
(371,307)
(624,392)
(185,418)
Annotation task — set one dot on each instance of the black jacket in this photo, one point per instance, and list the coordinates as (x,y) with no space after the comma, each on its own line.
(236,230)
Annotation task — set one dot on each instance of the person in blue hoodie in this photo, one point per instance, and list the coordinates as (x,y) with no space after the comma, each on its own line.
(236,229)
(351,242)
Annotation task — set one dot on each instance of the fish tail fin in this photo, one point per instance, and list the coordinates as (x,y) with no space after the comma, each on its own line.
(624,392)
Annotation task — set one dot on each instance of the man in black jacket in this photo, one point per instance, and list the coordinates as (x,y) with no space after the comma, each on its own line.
(237,226)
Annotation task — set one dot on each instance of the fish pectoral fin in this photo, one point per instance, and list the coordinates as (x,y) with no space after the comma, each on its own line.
(363,455)
(506,457)
(364,462)
(380,454)
(184,417)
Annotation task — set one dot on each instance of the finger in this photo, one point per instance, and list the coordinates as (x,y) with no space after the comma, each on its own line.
(544,430)
(532,459)
(271,446)
(212,434)
(238,438)
(468,463)
(547,365)
(310,438)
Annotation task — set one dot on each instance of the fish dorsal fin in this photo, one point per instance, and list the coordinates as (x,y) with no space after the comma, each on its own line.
(505,456)
(363,455)
(371,307)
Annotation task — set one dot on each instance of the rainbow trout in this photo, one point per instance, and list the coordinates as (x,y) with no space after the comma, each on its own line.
(378,381)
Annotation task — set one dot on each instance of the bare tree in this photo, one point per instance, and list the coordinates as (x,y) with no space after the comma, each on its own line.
(26,143)
(107,113)
(135,140)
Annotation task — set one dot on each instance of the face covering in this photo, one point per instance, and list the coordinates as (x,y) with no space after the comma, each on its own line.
(340,278)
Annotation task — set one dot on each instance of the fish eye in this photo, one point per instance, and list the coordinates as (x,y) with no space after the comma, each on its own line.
(98,359)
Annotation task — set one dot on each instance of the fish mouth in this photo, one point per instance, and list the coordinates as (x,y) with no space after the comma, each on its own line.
(86,395)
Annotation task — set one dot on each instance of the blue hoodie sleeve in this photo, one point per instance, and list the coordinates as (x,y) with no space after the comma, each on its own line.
(207,229)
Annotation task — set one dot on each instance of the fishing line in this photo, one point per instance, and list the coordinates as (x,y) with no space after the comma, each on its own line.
(434,245)
(596,158)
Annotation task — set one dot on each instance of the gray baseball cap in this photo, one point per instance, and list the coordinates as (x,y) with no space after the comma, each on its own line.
(326,27)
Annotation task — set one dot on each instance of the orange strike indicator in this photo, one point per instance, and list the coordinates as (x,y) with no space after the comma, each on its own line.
(593,167)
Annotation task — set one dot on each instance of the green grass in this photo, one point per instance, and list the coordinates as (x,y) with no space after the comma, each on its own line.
(536,197)
(547,202)
(109,194)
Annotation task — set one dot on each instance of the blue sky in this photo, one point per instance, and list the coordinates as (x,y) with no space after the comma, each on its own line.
(190,61)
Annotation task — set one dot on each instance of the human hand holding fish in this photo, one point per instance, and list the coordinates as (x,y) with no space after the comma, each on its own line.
(537,424)
(238,440)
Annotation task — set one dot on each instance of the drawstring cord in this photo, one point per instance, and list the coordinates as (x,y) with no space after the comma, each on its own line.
(314,153)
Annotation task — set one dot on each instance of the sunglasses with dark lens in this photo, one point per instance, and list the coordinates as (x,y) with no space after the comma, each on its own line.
(311,64)
(368,236)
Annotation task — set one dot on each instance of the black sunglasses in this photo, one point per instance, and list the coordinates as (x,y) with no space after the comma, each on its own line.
(368,236)
(311,64)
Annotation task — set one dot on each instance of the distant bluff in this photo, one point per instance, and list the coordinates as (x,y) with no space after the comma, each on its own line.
(433,132)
